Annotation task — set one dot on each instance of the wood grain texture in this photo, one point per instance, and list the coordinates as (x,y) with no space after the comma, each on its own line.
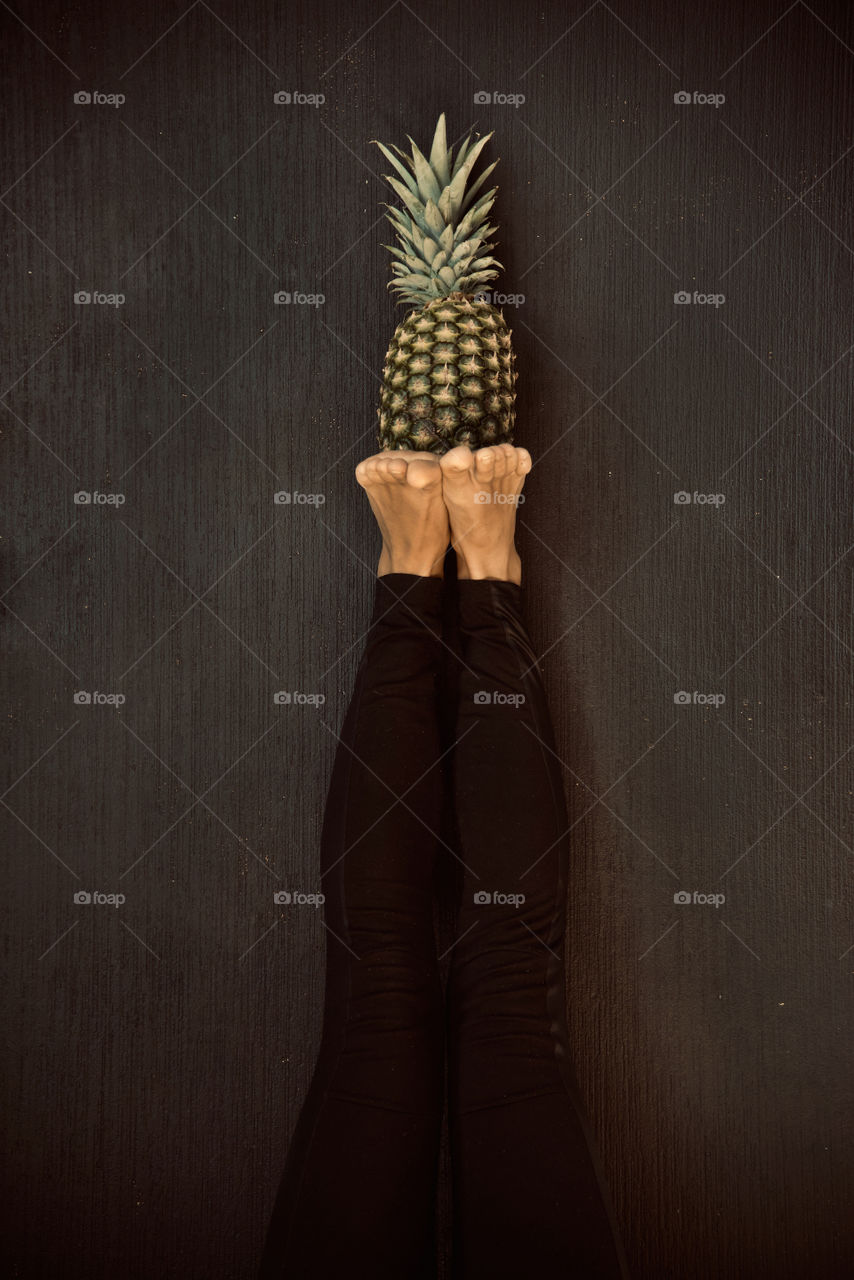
(158,1052)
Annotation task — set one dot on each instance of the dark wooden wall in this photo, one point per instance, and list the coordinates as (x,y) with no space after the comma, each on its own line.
(158,1051)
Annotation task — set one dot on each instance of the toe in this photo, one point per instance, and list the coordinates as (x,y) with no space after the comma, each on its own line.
(393,469)
(423,472)
(507,463)
(485,461)
(510,462)
(512,458)
(456,461)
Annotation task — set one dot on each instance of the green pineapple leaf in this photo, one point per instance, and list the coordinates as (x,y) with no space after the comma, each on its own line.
(414,206)
(440,158)
(434,219)
(462,155)
(474,217)
(475,187)
(404,173)
(460,178)
(428,187)
(444,233)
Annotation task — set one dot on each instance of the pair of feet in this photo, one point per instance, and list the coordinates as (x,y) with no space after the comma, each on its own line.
(424,503)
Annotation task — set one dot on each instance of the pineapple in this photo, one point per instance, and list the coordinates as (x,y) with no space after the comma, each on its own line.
(449,375)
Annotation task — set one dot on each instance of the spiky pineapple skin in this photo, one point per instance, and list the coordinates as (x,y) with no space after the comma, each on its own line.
(449,378)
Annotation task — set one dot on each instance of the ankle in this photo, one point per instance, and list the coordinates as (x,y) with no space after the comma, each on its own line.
(506,567)
(422,564)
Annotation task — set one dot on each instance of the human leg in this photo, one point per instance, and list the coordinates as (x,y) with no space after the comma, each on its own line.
(357,1192)
(530,1196)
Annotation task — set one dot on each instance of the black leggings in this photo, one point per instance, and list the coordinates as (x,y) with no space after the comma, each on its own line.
(357,1196)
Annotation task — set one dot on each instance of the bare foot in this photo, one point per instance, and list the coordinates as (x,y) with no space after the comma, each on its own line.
(480,491)
(404,488)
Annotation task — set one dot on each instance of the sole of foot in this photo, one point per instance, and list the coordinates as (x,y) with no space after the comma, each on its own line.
(480,489)
(404,488)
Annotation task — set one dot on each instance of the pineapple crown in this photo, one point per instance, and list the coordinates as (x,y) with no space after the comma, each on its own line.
(443,241)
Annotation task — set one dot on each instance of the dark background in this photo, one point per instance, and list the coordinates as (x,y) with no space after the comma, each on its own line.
(158,1052)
